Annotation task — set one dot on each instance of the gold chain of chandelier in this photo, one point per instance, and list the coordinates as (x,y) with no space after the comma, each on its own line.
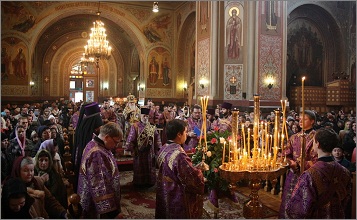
(97,46)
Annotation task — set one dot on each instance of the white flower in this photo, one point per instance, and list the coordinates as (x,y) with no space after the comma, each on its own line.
(222,140)
(209,153)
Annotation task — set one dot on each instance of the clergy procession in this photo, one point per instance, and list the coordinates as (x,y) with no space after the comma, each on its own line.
(48,172)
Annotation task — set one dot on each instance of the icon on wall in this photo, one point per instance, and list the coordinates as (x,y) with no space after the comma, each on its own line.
(89,96)
(90,83)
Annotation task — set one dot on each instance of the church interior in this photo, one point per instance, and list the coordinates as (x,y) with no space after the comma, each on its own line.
(227,50)
(180,52)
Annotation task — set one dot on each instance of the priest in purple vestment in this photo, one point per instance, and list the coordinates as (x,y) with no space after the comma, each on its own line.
(292,152)
(143,142)
(98,182)
(180,186)
(223,123)
(324,190)
(194,128)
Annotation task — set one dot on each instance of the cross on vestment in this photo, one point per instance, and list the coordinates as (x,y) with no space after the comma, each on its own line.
(47,79)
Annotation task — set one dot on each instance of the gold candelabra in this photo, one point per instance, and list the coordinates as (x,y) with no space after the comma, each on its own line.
(264,154)
(256,164)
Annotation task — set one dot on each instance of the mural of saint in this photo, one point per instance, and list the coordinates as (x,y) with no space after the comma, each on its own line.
(19,64)
(165,70)
(233,35)
(153,71)
(5,64)
(303,52)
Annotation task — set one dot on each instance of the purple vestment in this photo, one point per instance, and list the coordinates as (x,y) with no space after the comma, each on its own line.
(143,141)
(292,151)
(322,192)
(192,142)
(223,124)
(180,186)
(98,183)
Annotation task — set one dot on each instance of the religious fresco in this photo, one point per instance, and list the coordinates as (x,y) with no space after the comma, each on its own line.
(305,55)
(14,62)
(158,29)
(233,33)
(159,68)
(21,19)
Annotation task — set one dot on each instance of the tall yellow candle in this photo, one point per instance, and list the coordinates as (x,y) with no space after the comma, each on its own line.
(267,138)
(276,130)
(267,143)
(243,134)
(224,152)
(248,142)
(271,142)
(282,146)
(303,102)
(255,134)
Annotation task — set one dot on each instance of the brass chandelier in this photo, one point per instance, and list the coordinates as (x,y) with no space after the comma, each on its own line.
(98,45)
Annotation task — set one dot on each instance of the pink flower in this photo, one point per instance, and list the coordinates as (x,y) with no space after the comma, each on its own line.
(215,170)
(213,140)
(216,128)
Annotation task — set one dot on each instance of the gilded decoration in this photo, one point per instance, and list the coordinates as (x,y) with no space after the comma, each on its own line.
(159,93)
(203,65)
(7,90)
(233,79)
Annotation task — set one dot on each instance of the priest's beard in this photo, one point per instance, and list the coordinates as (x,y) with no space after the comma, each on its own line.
(132,106)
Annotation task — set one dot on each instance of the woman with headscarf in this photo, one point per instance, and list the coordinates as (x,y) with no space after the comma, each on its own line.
(45,203)
(18,146)
(52,147)
(53,181)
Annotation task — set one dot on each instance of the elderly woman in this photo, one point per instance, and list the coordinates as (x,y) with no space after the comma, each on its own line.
(53,181)
(45,203)
(52,147)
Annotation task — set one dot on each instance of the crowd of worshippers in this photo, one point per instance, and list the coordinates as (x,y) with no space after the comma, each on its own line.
(157,137)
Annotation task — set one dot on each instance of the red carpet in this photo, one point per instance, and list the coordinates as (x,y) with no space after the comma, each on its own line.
(140,203)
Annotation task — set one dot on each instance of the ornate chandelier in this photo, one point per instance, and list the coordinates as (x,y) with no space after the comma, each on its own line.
(97,45)
(86,60)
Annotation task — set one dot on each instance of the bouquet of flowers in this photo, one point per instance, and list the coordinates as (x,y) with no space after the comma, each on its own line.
(213,158)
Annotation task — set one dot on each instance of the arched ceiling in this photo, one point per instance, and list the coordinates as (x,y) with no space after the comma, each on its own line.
(81,23)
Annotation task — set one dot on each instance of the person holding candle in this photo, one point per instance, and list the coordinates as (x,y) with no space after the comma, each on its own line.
(324,190)
(194,128)
(293,152)
(180,185)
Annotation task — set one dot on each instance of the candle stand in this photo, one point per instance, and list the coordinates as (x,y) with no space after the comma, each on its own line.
(253,208)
